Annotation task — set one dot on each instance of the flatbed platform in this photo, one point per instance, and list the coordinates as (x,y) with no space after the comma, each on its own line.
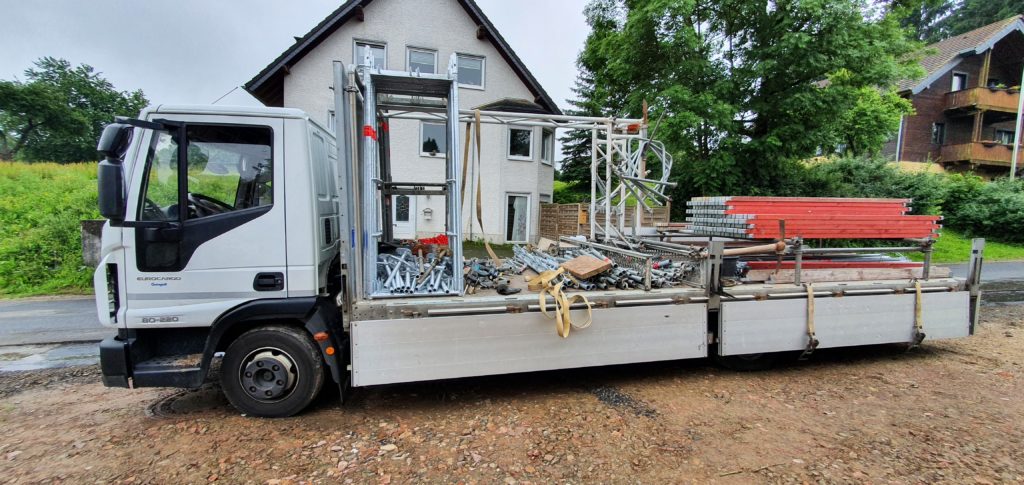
(489,302)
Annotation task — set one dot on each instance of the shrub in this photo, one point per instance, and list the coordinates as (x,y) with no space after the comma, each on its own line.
(994,210)
(41,205)
(570,193)
(857,177)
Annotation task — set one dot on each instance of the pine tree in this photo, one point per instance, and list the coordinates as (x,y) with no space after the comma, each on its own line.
(922,18)
(576,144)
(971,14)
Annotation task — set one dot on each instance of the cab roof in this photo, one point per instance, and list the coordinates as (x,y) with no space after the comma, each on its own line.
(207,109)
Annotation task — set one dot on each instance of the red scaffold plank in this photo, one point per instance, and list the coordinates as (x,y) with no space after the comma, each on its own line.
(755,265)
(809,217)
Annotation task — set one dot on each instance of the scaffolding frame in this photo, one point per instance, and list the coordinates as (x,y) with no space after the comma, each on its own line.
(620,147)
(366,95)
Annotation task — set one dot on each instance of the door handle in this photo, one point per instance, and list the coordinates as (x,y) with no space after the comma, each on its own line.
(268,282)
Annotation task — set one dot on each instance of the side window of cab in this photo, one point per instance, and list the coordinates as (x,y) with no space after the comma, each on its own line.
(228,168)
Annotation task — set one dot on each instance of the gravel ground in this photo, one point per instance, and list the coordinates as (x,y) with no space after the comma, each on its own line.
(947,412)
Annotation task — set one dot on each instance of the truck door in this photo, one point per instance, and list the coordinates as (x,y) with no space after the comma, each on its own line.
(206,232)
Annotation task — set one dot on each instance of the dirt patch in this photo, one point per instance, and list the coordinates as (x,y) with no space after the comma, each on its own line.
(946,412)
(12,383)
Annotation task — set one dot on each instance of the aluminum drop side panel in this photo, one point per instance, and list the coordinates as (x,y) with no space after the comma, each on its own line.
(408,350)
(751,327)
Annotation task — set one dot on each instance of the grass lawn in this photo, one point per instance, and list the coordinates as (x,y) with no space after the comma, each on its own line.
(953,247)
(476,249)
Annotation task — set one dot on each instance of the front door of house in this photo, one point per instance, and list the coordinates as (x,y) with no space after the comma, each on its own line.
(403,217)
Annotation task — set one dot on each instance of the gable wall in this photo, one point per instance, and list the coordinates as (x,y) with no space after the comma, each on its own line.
(445,26)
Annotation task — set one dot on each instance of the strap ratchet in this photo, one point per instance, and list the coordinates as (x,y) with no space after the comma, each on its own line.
(918,317)
(812,339)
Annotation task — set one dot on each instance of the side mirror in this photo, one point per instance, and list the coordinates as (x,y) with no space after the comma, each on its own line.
(114,141)
(111,196)
(113,145)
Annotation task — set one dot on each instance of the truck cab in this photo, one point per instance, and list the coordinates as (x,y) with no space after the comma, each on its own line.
(203,239)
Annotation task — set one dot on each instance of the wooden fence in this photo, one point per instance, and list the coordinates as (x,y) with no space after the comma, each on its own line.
(573,219)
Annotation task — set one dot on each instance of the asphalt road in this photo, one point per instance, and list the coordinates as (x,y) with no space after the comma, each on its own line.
(993,271)
(50,320)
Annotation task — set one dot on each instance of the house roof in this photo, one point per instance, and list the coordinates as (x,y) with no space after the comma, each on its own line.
(946,54)
(512,105)
(268,85)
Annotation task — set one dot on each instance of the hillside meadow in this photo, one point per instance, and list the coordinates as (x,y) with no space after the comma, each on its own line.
(41,205)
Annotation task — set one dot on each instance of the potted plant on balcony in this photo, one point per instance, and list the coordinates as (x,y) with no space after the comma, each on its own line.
(1013,89)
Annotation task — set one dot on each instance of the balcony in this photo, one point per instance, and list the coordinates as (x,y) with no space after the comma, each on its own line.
(985,99)
(984,153)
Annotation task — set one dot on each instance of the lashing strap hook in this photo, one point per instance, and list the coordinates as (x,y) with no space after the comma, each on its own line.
(918,317)
(812,338)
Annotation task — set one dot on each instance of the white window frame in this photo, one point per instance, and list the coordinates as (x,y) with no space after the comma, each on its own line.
(408,57)
(483,71)
(356,58)
(420,148)
(952,79)
(940,129)
(1010,132)
(508,143)
(550,146)
(332,121)
(529,216)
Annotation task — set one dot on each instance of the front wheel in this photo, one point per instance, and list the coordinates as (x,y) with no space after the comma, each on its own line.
(272,372)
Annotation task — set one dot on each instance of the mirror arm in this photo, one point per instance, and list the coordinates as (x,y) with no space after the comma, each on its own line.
(160,124)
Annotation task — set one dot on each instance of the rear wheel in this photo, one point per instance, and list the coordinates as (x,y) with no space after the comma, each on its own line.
(272,372)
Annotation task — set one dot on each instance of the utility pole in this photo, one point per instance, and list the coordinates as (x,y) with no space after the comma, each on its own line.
(1016,131)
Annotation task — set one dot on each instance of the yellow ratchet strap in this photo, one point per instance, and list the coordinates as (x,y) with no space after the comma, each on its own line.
(479,183)
(918,316)
(545,283)
(812,337)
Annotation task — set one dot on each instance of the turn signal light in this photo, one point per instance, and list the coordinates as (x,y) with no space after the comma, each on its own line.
(329,350)
(320,336)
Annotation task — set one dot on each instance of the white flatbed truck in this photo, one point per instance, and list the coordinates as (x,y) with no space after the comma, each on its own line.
(257,243)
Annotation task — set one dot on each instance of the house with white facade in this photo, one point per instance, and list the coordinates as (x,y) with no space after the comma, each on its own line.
(516,162)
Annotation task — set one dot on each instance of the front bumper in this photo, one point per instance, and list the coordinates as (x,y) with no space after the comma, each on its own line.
(114,362)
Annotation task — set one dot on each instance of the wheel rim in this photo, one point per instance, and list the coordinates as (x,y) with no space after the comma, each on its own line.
(268,374)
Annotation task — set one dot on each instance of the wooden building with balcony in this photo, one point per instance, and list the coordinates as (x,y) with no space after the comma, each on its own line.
(966,105)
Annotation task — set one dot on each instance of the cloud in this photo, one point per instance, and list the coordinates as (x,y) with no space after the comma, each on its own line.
(195,52)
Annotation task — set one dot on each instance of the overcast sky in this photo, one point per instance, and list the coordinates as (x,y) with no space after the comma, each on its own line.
(195,51)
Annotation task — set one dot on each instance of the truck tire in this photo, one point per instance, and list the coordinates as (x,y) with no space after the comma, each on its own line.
(748,362)
(272,372)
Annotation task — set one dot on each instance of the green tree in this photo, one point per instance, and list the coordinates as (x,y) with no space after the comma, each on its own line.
(971,14)
(59,112)
(747,87)
(870,120)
